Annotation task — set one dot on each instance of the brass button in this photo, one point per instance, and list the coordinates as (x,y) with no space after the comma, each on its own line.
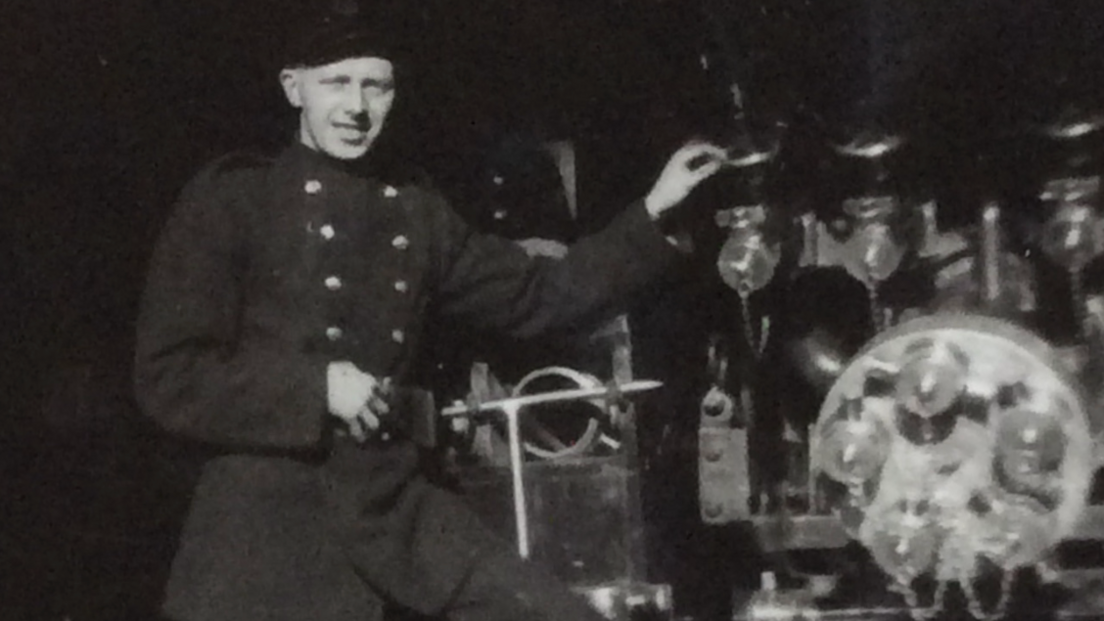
(313,186)
(334,333)
(333,283)
(500,214)
(400,242)
(390,192)
(398,336)
(327,232)
(401,286)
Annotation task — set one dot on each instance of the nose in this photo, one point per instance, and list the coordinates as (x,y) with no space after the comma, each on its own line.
(356,103)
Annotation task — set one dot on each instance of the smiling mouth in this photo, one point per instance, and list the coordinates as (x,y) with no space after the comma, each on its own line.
(354,128)
(353,135)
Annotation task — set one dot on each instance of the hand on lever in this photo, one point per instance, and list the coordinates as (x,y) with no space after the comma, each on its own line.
(689,166)
(357,398)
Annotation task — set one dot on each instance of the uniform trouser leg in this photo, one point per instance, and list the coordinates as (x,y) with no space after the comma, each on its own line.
(503,587)
(436,558)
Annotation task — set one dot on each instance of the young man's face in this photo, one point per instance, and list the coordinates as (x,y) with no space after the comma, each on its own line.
(343,105)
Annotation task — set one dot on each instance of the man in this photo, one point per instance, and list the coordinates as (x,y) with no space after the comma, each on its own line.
(283,296)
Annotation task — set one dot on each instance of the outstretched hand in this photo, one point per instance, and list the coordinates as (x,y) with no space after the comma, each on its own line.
(689,166)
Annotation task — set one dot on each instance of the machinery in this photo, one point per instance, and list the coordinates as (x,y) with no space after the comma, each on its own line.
(958,447)
(923,438)
(905,396)
(553,461)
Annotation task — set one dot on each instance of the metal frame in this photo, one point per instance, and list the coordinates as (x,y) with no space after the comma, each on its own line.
(511,408)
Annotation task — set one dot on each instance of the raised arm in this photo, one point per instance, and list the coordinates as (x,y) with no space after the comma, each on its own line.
(491,283)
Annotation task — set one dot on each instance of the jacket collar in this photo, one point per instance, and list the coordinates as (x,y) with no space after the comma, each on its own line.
(309,159)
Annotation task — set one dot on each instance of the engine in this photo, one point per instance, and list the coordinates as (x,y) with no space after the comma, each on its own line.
(960,440)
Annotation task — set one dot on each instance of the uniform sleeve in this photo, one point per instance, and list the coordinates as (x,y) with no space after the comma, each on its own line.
(491,283)
(194,374)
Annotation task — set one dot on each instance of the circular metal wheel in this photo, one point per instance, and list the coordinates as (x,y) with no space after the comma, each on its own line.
(951,410)
(545,441)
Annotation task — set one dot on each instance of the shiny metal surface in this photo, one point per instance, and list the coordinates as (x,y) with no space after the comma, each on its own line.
(1005,476)
(749,257)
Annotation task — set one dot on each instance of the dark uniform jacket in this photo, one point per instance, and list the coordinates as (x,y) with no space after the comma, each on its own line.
(267,271)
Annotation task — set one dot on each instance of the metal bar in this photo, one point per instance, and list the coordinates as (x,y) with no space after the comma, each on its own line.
(521,510)
(575,394)
(991,253)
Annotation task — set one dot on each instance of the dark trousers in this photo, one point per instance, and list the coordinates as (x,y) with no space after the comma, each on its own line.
(441,562)
(266,541)
(504,588)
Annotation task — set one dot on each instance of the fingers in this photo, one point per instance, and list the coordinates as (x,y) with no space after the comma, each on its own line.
(364,424)
(706,170)
(377,405)
(368,419)
(698,155)
(356,429)
(378,400)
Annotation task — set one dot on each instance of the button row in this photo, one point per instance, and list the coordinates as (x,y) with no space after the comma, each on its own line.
(334,333)
(314,187)
(333,283)
(327,232)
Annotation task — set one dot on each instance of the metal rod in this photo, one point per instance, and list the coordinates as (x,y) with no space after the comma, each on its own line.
(930,213)
(575,394)
(991,253)
(810,251)
(521,511)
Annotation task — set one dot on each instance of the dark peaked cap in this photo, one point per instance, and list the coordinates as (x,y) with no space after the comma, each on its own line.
(341,31)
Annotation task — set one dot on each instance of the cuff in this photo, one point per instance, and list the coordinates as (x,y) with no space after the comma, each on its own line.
(657,240)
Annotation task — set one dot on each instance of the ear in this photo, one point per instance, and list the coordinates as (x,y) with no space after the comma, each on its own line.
(290,79)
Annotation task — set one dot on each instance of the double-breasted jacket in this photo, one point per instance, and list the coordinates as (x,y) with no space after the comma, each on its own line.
(269,269)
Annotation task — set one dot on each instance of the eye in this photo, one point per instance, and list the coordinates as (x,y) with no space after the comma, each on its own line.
(335,83)
(377,88)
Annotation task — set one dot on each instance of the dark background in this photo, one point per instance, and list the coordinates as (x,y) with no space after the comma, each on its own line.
(110,106)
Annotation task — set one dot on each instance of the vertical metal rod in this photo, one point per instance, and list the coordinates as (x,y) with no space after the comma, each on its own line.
(812,496)
(930,213)
(810,251)
(521,516)
(990,254)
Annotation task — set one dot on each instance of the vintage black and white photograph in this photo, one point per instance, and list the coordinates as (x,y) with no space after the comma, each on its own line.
(552,310)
